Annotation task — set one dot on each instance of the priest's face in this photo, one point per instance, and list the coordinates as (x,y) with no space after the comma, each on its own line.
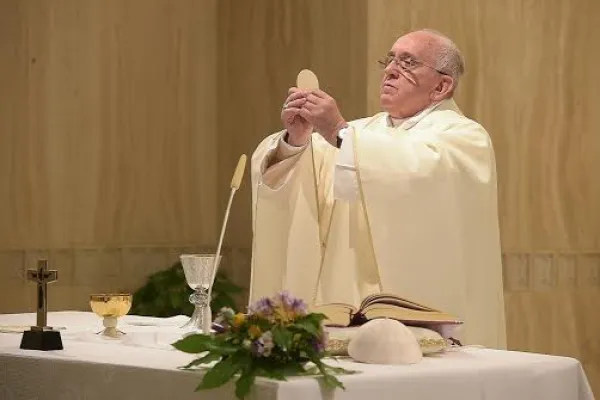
(410,81)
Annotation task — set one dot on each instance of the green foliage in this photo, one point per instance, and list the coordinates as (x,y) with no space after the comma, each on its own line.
(166,294)
(276,339)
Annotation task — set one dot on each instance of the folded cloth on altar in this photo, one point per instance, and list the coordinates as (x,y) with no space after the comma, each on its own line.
(139,331)
(152,339)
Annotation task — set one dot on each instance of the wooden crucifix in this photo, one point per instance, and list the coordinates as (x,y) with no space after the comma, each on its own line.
(42,337)
(42,276)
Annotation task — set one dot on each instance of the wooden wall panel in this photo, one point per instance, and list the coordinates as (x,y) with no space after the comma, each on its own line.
(109,134)
(551,306)
(108,142)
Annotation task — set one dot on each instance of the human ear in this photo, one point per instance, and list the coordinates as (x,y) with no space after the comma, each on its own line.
(443,89)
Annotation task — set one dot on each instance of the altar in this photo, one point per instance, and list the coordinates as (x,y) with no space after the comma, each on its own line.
(143,365)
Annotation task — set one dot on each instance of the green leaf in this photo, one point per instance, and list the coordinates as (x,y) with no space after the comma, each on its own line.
(333,382)
(222,347)
(210,357)
(201,343)
(308,326)
(175,298)
(329,379)
(339,370)
(244,383)
(315,318)
(272,371)
(194,343)
(282,337)
(220,374)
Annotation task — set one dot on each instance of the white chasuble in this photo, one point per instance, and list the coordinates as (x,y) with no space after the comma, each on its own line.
(424,224)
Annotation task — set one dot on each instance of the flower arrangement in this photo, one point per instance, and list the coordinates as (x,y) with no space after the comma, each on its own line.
(277,338)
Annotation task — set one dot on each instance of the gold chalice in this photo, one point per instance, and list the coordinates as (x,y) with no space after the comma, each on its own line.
(110,307)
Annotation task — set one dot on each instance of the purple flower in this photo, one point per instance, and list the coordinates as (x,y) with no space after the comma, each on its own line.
(290,303)
(263,306)
(285,299)
(282,306)
(299,307)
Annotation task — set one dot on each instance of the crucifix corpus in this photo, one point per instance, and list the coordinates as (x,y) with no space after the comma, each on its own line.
(42,337)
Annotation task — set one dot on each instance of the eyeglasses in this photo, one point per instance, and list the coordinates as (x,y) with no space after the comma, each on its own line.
(406,62)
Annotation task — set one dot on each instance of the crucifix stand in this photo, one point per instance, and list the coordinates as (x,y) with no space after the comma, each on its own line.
(41,336)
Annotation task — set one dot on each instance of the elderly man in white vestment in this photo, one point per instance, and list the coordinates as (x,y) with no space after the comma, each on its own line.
(402,202)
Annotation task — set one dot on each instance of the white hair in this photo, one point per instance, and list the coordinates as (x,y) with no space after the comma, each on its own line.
(448,58)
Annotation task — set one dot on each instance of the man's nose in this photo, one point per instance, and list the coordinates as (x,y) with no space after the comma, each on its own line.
(391,68)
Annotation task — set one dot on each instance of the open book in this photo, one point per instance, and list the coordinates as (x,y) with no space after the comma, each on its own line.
(385,305)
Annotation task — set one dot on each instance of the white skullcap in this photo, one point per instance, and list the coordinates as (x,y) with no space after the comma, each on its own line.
(385,341)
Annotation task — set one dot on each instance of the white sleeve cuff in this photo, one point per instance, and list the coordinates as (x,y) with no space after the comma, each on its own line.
(286,150)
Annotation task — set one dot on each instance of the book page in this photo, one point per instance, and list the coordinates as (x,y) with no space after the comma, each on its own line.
(386,298)
(406,314)
(338,314)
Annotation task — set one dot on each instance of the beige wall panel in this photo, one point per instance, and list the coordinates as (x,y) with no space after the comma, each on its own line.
(551,306)
(110,129)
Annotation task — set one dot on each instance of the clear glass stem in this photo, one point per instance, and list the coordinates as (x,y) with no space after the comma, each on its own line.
(201,319)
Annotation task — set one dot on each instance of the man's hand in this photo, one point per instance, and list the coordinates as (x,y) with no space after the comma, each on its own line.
(298,127)
(322,112)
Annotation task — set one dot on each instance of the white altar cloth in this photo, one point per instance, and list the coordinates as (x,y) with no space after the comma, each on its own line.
(144,366)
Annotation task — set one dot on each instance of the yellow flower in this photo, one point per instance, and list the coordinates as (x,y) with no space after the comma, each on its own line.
(282,315)
(238,319)
(254,331)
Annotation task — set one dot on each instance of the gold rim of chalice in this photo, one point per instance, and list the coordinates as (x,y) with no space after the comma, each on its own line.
(111,304)
(108,296)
